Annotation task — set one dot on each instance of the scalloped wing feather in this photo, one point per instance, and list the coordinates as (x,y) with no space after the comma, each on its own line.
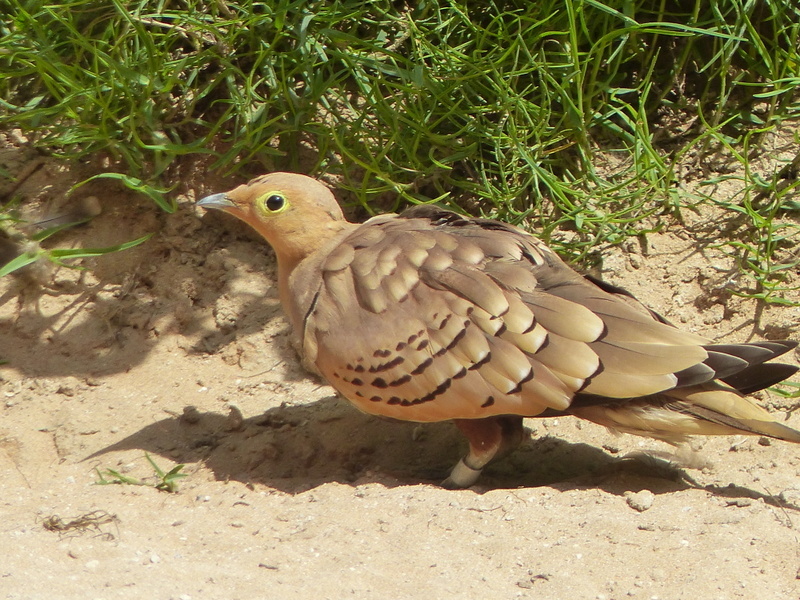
(423,321)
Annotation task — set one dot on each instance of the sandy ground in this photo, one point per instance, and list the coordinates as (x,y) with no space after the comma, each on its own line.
(178,349)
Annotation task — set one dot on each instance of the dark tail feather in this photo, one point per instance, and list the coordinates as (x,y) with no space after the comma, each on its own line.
(759,377)
(739,363)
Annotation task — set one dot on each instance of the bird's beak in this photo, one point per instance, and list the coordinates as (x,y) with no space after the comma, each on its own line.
(217,201)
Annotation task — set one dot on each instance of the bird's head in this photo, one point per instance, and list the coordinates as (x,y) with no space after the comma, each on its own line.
(294,213)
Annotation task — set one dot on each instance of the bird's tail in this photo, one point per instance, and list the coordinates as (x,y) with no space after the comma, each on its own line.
(710,409)
(717,407)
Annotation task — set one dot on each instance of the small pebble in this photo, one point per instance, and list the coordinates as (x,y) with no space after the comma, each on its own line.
(640,501)
(790,496)
(155,558)
(190,415)
(739,502)
(235,418)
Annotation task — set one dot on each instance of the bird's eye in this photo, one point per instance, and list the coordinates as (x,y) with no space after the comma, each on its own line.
(274,202)
(271,203)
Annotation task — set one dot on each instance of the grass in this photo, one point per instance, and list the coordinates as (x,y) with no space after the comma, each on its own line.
(25,246)
(504,108)
(165,481)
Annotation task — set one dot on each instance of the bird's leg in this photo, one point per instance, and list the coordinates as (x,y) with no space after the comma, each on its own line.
(489,438)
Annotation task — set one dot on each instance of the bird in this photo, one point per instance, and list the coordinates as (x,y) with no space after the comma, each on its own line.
(430,316)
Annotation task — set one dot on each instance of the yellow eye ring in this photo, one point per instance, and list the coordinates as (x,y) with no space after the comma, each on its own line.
(272,203)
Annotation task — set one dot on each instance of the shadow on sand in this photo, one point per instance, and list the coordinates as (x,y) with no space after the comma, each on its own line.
(297,448)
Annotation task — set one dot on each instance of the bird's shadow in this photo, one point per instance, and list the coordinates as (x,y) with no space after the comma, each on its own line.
(297,448)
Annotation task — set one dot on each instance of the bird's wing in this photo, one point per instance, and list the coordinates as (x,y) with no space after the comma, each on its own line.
(432,316)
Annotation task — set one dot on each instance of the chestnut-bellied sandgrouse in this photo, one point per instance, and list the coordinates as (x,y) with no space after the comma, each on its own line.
(432,316)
